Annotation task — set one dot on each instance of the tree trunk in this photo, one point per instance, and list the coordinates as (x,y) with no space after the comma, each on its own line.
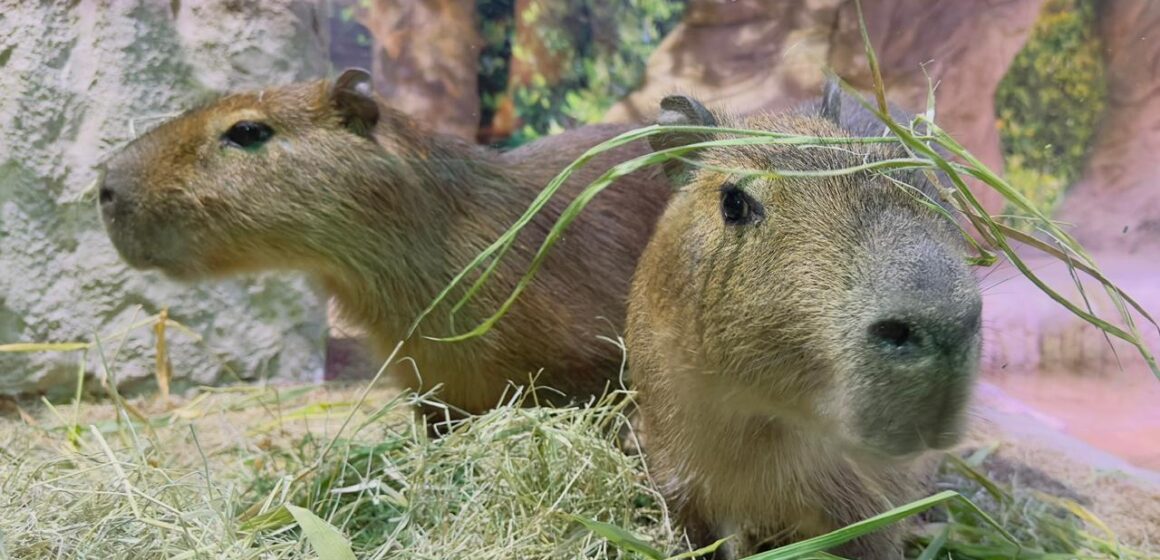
(426,57)
(1116,205)
(768,55)
(78,80)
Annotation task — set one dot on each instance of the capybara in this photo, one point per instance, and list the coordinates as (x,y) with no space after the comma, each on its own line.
(798,341)
(325,178)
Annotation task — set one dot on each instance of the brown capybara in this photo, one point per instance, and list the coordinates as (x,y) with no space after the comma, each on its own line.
(798,342)
(323,177)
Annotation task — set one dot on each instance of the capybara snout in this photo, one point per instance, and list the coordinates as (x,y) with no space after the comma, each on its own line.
(324,178)
(800,328)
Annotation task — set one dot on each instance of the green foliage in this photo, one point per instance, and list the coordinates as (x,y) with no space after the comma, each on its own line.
(495,27)
(1050,102)
(1043,187)
(602,46)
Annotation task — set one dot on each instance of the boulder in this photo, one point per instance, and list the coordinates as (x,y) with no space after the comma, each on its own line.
(78,81)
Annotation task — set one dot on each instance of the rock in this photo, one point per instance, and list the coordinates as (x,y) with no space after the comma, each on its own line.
(1116,205)
(426,57)
(77,82)
(767,55)
(747,56)
(1026,331)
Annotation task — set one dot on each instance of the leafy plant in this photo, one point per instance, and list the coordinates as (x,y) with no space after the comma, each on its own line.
(1050,102)
(597,49)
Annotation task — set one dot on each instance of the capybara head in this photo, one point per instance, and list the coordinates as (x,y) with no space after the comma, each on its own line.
(842,302)
(252,181)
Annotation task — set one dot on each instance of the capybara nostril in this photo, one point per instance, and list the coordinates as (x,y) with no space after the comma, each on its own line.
(106,195)
(107,192)
(893,333)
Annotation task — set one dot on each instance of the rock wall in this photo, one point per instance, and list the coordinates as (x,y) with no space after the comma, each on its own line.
(1116,205)
(767,55)
(426,57)
(78,79)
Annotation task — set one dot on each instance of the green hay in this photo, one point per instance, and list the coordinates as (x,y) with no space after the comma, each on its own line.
(221,476)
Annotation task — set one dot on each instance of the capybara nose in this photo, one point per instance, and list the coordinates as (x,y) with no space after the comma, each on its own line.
(924,305)
(107,194)
(107,189)
(113,193)
(926,329)
(893,333)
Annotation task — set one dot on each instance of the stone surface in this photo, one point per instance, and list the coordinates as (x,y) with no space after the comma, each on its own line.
(1026,331)
(1036,350)
(1116,205)
(746,56)
(767,55)
(79,79)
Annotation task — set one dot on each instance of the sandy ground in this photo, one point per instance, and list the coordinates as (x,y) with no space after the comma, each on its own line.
(1122,495)
(1121,418)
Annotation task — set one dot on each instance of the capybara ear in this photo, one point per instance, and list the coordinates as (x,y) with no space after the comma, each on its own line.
(831,108)
(681,110)
(353,97)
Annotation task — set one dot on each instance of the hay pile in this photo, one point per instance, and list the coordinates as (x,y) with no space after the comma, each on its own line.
(209,476)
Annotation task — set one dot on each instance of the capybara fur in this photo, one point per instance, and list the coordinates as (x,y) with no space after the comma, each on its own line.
(325,178)
(798,341)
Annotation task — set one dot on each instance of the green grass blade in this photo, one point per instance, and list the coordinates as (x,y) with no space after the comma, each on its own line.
(936,545)
(44,346)
(1093,272)
(872,59)
(619,537)
(700,551)
(865,527)
(328,542)
(979,478)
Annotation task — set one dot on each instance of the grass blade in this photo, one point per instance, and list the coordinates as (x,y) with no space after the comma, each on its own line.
(936,545)
(619,537)
(328,542)
(865,527)
(44,346)
(700,551)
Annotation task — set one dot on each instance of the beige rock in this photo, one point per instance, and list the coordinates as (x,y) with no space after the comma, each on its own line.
(766,55)
(425,61)
(1116,205)
(78,79)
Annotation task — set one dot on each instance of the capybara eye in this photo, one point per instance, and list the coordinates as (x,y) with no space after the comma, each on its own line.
(737,207)
(248,134)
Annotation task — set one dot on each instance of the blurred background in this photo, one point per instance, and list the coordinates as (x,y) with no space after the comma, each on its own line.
(1059,95)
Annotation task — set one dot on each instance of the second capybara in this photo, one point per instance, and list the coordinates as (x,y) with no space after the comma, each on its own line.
(798,340)
(325,178)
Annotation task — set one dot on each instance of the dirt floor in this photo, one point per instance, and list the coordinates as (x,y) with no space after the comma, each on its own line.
(1036,453)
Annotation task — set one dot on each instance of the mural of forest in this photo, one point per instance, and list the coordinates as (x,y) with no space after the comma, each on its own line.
(545,66)
(221,314)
